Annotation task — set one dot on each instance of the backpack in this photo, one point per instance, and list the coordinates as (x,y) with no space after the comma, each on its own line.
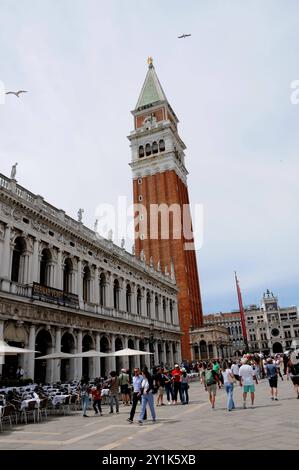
(210,379)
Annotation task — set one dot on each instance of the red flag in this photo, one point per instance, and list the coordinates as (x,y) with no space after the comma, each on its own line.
(242,315)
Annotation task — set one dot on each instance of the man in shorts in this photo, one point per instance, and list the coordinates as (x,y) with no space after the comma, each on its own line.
(271,371)
(246,374)
(210,378)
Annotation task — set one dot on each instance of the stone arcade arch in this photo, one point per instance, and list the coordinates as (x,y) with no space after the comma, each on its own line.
(42,369)
(87,362)
(277,348)
(118,360)
(104,347)
(67,365)
(131,345)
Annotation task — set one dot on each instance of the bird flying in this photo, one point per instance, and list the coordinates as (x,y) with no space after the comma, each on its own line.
(184,36)
(16,93)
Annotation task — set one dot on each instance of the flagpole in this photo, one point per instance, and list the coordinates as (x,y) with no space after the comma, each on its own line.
(242,315)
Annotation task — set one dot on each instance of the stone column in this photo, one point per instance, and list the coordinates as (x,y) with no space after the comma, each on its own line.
(134,300)
(26,275)
(109,291)
(31,356)
(57,362)
(137,359)
(79,281)
(164,352)
(78,372)
(171,354)
(156,354)
(215,352)
(112,361)
(35,262)
(59,271)
(6,253)
(143,303)
(126,359)
(98,359)
(96,299)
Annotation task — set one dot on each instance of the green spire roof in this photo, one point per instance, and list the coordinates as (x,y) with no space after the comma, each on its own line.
(152,90)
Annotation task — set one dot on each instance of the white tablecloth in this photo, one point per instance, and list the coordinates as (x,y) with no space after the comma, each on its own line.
(57,399)
(25,403)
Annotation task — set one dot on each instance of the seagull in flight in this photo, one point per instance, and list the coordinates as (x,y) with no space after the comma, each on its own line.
(184,36)
(16,93)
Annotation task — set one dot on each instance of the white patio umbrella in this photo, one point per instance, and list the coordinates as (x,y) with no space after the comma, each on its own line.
(5,349)
(57,355)
(130,352)
(92,353)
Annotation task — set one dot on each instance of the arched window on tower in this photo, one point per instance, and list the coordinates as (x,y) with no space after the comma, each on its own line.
(128,298)
(161,145)
(141,151)
(116,289)
(148,150)
(102,290)
(139,302)
(171,311)
(86,284)
(155,147)
(17,268)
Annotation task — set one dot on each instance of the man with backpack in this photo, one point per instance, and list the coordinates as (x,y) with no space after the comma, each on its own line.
(271,371)
(210,379)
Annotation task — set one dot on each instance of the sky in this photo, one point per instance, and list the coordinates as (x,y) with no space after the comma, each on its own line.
(84,63)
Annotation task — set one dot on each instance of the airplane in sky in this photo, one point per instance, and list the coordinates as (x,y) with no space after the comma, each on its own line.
(184,36)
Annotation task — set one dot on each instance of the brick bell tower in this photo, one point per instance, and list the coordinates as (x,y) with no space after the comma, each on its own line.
(161,195)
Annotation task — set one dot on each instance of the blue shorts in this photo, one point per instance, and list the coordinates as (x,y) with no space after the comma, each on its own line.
(249,388)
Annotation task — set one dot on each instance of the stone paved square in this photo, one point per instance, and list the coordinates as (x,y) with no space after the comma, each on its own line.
(269,425)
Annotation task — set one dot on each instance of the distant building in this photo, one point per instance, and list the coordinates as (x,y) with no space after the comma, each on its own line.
(270,328)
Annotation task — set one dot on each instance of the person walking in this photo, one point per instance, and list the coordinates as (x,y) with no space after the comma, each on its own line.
(160,382)
(147,397)
(247,381)
(168,386)
(228,382)
(84,395)
(272,376)
(124,387)
(96,394)
(210,379)
(113,391)
(293,370)
(185,386)
(176,378)
(136,383)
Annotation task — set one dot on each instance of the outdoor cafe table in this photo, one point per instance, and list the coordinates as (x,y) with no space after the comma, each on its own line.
(57,399)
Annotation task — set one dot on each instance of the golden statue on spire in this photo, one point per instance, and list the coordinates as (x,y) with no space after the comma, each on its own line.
(150,61)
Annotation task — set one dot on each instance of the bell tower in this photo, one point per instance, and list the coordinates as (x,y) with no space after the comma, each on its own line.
(160,193)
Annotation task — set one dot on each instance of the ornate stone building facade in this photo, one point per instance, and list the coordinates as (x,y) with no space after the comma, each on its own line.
(63,288)
(210,342)
(270,328)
